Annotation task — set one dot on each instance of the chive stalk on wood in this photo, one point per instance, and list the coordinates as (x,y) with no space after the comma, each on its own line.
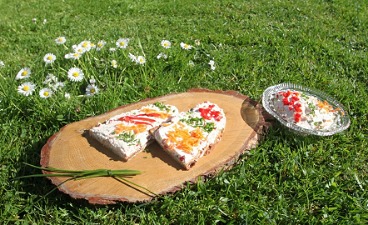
(119,175)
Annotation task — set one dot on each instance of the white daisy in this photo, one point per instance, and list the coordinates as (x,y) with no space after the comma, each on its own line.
(162,55)
(49,58)
(92,81)
(50,78)
(93,45)
(44,21)
(67,95)
(45,93)
(23,73)
(122,42)
(79,49)
(75,74)
(76,55)
(73,55)
(191,63)
(2,64)
(85,45)
(26,88)
(68,55)
(132,57)
(212,64)
(197,42)
(141,60)
(112,49)
(185,46)
(57,85)
(100,45)
(166,44)
(60,40)
(34,20)
(91,90)
(114,63)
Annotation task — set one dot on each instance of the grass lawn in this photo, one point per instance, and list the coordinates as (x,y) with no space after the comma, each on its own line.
(287,179)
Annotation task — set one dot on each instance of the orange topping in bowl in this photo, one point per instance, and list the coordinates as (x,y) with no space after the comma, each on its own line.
(325,105)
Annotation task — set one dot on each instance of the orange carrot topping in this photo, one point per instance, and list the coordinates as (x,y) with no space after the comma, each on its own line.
(155,113)
(137,128)
(325,105)
(184,139)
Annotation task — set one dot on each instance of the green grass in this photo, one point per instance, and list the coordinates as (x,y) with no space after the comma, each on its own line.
(287,179)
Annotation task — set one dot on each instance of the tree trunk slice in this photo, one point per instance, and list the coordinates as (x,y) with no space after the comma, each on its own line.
(71,148)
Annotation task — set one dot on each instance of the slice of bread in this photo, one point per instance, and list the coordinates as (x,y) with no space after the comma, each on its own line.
(190,135)
(129,133)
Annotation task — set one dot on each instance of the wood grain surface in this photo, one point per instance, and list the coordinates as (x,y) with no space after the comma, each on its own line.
(72,148)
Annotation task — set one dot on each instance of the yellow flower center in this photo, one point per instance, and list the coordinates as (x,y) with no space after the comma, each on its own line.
(122,43)
(49,57)
(92,90)
(24,73)
(75,74)
(46,93)
(26,88)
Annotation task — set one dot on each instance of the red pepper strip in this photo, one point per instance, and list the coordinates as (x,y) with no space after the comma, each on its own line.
(141,122)
(297,117)
(286,94)
(137,117)
(216,115)
(152,114)
(207,113)
(285,101)
(135,121)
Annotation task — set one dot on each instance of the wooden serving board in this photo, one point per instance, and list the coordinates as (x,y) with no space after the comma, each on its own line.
(71,148)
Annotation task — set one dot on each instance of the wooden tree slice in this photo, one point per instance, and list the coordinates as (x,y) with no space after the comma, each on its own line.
(71,148)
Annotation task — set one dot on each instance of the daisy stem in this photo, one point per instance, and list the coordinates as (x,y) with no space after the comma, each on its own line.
(89,62)
(65,47)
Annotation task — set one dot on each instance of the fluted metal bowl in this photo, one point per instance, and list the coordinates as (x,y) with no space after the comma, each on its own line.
(341,122)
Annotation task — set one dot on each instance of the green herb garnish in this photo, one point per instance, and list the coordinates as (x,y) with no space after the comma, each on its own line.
(199,122)
(209,127)
(128,137)
(312,106)
(161,106)
(194,122)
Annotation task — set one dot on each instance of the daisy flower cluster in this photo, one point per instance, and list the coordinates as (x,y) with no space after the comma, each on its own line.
(76,66)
